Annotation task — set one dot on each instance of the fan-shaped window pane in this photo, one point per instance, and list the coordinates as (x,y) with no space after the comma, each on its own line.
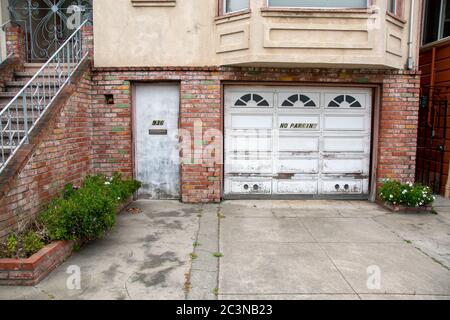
(304,98)
(339,99)
(246,98)
(350,99)
(356,105)
(333,104)
(293,98)
(287,103)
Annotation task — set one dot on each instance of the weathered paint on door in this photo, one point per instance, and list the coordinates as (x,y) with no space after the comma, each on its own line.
(297,140)
(157,161)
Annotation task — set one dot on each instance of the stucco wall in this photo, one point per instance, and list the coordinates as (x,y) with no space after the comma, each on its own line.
(189,34)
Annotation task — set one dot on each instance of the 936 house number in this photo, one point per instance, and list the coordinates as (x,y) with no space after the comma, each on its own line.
(158,123)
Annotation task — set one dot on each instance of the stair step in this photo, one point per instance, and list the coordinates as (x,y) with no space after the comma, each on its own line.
(22,83)
(28,74)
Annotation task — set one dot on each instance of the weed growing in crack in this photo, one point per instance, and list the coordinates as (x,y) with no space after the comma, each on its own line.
(218,254)
(194,256)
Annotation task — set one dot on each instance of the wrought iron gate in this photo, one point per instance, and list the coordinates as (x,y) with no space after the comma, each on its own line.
(431,144)
(48,23)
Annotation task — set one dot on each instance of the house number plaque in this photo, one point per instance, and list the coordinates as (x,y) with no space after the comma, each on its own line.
(158,128)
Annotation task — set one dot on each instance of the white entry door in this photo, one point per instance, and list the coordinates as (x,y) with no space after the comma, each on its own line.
(157,161)
(297,141)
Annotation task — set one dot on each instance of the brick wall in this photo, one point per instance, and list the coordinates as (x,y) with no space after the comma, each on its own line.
(61,155)
(90,134)
(201,99)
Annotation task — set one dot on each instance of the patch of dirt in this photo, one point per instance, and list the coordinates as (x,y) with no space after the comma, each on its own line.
(134,210)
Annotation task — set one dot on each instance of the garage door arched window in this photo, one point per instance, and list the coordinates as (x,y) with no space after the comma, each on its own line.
(251,100)
(344,101)
(299,100)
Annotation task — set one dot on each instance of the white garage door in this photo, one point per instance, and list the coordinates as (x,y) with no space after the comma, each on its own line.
(297,140)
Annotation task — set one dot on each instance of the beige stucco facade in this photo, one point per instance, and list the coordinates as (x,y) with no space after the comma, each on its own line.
(189,33)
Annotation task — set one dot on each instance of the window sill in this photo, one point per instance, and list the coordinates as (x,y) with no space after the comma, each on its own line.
(153,3)
(233,16)
(288,10)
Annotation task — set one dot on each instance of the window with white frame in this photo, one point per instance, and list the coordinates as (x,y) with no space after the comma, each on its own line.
(318,3)
(235,5)
(436,24)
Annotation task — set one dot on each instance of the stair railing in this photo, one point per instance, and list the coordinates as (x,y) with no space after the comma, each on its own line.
(20,116)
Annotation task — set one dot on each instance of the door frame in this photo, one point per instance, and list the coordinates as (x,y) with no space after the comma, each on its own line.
(375,128)
(133,84)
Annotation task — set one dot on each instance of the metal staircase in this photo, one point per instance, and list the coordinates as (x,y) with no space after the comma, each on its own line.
(27,98)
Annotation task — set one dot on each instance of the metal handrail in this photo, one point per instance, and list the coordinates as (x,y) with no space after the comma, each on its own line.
(19,118)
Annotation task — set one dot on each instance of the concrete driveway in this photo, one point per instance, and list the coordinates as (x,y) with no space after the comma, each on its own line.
(261,250)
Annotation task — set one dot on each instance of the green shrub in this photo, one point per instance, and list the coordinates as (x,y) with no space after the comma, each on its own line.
(11,245)
(407,194)
(89,211)
(32,243)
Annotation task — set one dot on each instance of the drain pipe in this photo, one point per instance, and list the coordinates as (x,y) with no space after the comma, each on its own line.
(410,61)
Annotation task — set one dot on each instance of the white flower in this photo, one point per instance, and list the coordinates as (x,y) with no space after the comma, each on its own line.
(107,183)
(391,196)
(405,191)
(118,198)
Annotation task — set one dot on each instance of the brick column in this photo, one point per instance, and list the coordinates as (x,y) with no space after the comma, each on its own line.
(15,42)
(87,35)
(201,124)
(399,127)
(15,45)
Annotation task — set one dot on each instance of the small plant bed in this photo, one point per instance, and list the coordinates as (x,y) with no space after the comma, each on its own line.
(406,197)
(80,214)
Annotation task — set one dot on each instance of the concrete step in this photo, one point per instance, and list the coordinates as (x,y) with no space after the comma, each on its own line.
(27,75)
(35,67)
(20,84)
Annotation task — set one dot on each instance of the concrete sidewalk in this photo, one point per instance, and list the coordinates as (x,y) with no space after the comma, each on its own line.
(260,250)
(331,250)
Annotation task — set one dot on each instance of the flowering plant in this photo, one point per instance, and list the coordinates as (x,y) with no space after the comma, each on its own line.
(407,194)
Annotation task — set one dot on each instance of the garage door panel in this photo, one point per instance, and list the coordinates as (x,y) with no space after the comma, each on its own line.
(299,165)
(250,186)
(342,186)
(251,143)
(251,121)
(296,186)
(252,98)
(298,143)
(250,164)
(346,144)
(345,101)
(299,122)
(347,166)
(344,122)
(298,99)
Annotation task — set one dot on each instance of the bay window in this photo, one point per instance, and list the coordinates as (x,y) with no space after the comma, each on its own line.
(318,3)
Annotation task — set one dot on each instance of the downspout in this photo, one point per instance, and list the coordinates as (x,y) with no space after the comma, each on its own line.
(410,61)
